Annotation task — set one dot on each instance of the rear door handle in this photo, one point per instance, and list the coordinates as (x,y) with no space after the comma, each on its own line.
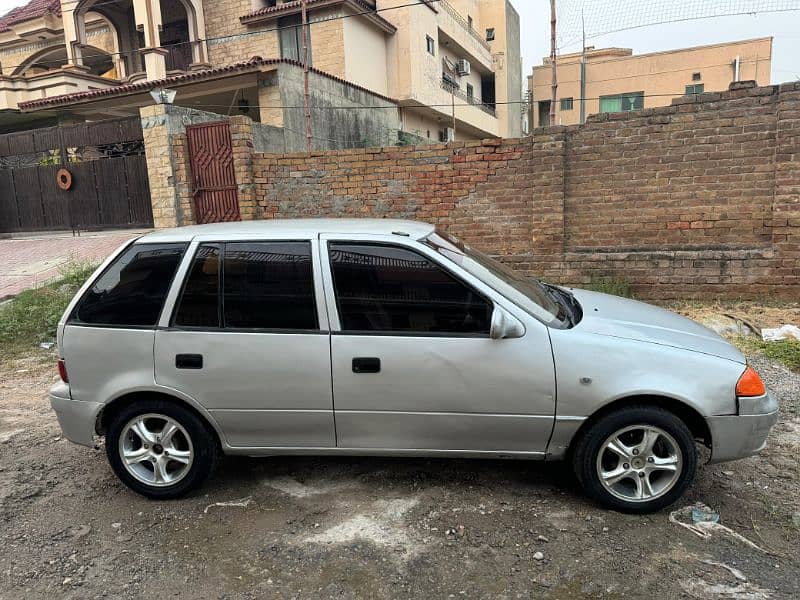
(188,361)
(366,365)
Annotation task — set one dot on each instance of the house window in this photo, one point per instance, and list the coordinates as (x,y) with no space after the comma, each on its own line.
(470,92)
(469,21)
(291,36)
(431,47)
(692,90)
(490,34)
(566,103)
(622,102)
(696,77)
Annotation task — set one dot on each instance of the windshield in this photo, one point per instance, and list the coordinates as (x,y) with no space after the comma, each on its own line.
(527,292)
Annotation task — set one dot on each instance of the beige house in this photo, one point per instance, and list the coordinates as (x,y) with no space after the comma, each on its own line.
(438,70)
(616,80)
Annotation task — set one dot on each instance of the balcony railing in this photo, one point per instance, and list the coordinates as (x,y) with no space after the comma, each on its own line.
(456,91)
(464,23)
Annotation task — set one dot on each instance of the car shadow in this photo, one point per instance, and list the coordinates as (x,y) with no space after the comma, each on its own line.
(515,477)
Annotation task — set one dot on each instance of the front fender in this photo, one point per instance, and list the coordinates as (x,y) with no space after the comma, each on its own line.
(594,370)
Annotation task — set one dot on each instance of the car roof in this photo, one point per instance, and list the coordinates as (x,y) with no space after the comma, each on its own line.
(413,229)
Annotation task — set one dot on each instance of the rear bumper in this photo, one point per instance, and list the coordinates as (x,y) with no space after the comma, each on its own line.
(740,436)
(76,418)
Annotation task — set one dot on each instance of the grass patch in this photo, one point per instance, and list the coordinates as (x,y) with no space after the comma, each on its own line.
(32,316)
(787,352)
(611,285)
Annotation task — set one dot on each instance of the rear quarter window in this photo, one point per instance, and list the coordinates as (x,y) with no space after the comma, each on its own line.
(132,290)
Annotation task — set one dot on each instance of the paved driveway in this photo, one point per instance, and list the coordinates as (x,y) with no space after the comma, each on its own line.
(26,262)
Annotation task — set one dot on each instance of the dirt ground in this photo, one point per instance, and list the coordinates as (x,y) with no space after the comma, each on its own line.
(378,528)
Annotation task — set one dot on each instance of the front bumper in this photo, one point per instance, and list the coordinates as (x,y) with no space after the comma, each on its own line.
(76,418)
(739,436)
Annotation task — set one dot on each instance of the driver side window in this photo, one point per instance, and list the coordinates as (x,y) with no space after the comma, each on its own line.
(392,289)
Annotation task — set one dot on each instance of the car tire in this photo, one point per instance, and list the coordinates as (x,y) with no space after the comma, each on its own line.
(637,460)
(160,449)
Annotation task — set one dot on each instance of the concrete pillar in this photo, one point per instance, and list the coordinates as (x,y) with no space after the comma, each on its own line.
(160,168)
(242,143)
(197,34)
(73,40)
(147,14)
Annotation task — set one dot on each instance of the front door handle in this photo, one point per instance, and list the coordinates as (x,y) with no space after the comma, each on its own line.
(188,361)
(366,365)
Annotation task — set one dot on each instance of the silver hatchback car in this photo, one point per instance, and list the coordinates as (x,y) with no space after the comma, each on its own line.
(382,337)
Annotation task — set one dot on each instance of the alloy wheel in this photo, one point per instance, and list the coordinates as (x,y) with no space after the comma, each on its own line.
(156,449)
(639,463)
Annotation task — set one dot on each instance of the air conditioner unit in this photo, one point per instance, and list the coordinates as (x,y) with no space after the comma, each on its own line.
(463,67)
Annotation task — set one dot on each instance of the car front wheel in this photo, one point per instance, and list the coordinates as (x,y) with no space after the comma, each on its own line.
(160,449)
(638,460)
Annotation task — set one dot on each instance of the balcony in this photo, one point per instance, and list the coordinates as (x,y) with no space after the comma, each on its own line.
(22,88)
(455,29)
(455,90)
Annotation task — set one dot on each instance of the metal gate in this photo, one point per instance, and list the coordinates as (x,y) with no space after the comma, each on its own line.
(211,155)
(106,165)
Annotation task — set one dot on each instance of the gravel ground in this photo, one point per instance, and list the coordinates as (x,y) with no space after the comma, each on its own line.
(378,528)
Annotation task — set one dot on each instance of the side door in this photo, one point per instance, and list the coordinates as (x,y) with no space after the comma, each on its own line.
(414,367)
(248,339)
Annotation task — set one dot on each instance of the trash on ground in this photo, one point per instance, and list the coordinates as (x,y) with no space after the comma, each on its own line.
(701,515)
(242,502)
(705,529)
(784,332)
(46,345)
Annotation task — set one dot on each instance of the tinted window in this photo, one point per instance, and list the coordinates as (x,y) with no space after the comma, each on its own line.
(269,285)
(199,304)
(132,290)
(386,288)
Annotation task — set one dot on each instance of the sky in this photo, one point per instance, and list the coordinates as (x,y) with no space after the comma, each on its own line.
(535,30)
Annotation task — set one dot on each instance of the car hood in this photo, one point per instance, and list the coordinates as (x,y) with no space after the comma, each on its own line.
(604,314)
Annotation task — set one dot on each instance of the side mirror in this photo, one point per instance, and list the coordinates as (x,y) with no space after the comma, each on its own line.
(505,326)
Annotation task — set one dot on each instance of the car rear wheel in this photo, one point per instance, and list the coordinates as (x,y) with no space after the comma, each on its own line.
(638,460)
(160,449)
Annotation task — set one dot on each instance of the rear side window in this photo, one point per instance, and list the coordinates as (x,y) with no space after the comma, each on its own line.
(387,288)
(132,290)
(199,304)
(269,285)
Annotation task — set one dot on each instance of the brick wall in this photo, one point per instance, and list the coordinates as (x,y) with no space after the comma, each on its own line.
(698,199)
